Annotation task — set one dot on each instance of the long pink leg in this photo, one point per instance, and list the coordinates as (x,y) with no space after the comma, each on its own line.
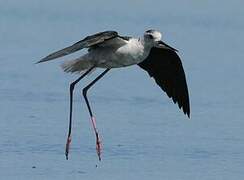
(93,120)
(71,89)
(98,141)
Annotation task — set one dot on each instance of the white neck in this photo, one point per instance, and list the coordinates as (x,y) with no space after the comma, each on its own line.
(146,44)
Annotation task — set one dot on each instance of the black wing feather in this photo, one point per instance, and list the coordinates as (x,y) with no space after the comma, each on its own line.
(87,42)
(165,67)
(97,38)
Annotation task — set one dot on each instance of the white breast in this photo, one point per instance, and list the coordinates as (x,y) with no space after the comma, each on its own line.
(131,53)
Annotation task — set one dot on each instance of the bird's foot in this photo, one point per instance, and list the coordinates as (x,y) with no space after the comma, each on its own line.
(98,141)
(98,146)
(67,147)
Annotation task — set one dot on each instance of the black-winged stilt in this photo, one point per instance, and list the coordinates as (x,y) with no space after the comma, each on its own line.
(110,50)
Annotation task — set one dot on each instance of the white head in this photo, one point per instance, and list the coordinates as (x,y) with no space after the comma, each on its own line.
(152,38)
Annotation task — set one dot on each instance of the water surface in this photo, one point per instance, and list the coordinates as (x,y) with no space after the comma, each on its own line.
(144,134)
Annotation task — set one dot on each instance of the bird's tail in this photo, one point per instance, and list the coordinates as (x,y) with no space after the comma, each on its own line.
(77,65)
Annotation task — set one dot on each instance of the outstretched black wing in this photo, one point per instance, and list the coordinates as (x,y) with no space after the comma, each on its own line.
(165,67)
(87,42)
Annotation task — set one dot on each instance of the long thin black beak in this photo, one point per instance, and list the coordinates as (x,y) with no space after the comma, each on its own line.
(162,44)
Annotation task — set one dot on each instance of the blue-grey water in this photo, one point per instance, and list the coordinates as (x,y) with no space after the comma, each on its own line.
(144,134)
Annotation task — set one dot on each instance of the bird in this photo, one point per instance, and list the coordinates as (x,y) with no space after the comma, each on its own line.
(109,50)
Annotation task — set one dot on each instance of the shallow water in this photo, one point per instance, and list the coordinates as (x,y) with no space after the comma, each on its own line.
(144,134)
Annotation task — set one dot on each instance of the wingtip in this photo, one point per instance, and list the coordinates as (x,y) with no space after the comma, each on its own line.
(38,62)
(188,115)
(42,60)
(186,111)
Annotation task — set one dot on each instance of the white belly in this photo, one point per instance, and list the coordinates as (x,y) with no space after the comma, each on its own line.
(129,54)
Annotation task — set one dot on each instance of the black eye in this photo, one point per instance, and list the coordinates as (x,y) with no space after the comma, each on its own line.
(150,36)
